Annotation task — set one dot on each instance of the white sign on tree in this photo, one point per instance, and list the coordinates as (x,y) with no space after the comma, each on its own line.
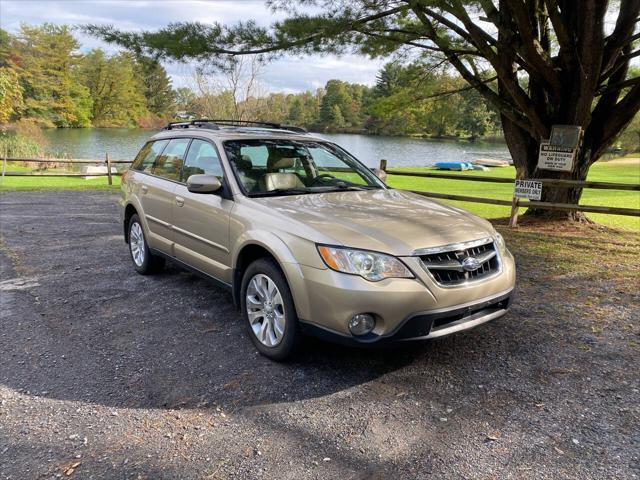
(555,158)
(559,152)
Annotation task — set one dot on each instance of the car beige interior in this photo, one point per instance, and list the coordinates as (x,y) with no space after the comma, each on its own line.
(308,239)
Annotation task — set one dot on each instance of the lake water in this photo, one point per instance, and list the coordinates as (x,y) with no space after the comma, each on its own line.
(123,144)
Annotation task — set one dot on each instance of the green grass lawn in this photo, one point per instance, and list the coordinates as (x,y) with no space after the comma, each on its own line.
(603,172)
(57,183)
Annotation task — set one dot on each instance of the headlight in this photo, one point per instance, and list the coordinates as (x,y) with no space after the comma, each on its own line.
(500,242)
(369,265)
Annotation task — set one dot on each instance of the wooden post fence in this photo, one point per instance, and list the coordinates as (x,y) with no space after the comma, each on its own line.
(513,218)
(516,203)
(108,161)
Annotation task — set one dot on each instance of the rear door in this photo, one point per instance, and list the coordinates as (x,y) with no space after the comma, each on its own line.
(149,191)
(158,193)
(201,220)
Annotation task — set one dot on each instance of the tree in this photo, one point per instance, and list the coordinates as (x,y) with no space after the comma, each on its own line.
(538,62)
(185,99)
(117,96)
(341,105)
(235,81)
(47,64)
(156,86)
(476,117)
(304,110)
(10,94)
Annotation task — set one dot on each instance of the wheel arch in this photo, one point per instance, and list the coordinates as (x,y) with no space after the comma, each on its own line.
(273,247)
(247,254)
(129,211)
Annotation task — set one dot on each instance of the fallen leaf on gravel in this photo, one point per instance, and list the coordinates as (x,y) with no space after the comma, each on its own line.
(492,437)
(561,452)
(72,468)
(211,329)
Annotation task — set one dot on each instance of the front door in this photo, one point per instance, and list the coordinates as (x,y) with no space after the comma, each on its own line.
(201,220)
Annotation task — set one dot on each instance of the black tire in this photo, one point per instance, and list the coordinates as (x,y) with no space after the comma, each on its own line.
(150,263)
(292,338)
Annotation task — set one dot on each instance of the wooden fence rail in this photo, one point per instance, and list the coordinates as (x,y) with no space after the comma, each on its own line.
(107,161)
(516,203)
(548,181)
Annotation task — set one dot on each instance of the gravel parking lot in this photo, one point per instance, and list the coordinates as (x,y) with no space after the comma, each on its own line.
(108,374)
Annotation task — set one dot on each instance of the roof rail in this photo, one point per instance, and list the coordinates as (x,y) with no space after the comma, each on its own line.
(201,123)
(215,125)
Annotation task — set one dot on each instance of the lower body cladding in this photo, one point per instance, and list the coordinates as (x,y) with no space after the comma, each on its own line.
(422,325)
(331,304)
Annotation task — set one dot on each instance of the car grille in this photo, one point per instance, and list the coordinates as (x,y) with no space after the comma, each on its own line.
(462,264)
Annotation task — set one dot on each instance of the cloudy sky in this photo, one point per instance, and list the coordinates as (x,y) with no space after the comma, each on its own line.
(290,74)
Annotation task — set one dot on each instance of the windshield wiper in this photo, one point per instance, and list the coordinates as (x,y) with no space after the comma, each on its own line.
(345,186)
(282,191)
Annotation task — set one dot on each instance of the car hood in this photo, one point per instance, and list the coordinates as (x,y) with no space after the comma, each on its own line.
(392,221)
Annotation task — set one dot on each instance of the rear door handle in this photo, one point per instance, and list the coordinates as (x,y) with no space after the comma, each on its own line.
(144,189)
(179,201)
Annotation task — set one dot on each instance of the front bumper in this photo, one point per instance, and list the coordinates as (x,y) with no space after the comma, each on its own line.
(404,309)
(425,325)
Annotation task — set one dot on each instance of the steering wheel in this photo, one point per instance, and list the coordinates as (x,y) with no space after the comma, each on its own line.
(322,175)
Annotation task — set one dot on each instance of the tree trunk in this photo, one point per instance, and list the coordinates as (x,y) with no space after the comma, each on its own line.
(559,195)
(524,152)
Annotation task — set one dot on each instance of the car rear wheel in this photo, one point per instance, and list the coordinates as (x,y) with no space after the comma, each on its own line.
(268,310)
(144,261)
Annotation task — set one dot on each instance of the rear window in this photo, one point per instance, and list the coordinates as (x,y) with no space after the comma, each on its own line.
(145,158)
(169,164)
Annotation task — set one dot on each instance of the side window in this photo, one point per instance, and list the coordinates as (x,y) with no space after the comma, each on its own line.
(169,164)
(202,158)
(145,158)
(257,155)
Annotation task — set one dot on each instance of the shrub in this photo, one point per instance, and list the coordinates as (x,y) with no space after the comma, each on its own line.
(14,145)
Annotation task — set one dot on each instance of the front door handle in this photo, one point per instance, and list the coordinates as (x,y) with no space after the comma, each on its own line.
(179,201)
(144,189)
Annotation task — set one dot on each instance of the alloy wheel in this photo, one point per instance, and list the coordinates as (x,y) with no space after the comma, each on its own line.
(136,244)
(265,309)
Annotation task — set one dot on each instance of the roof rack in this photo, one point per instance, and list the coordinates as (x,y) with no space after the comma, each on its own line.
(215,125)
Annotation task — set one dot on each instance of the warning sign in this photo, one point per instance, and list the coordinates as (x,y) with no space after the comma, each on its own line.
(556,158)
(530,189)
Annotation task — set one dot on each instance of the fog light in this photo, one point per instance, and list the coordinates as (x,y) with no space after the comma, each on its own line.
(362,324)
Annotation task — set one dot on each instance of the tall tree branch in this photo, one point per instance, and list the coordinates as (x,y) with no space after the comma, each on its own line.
(507,108)
(531,48)
(622,33)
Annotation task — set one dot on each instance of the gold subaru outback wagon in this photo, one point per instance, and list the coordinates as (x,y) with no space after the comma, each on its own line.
(308,239)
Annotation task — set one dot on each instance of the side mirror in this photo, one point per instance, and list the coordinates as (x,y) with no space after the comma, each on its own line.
(381,174)
(203,184)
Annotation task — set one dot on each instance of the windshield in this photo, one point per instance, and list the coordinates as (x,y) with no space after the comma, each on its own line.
(285,167)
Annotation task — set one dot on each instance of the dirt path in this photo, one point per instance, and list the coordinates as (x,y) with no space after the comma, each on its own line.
(127,376)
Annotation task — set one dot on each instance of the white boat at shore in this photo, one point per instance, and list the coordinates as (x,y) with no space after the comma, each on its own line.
(491,162)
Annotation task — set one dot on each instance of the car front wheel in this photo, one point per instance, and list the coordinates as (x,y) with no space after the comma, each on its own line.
(268,310)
